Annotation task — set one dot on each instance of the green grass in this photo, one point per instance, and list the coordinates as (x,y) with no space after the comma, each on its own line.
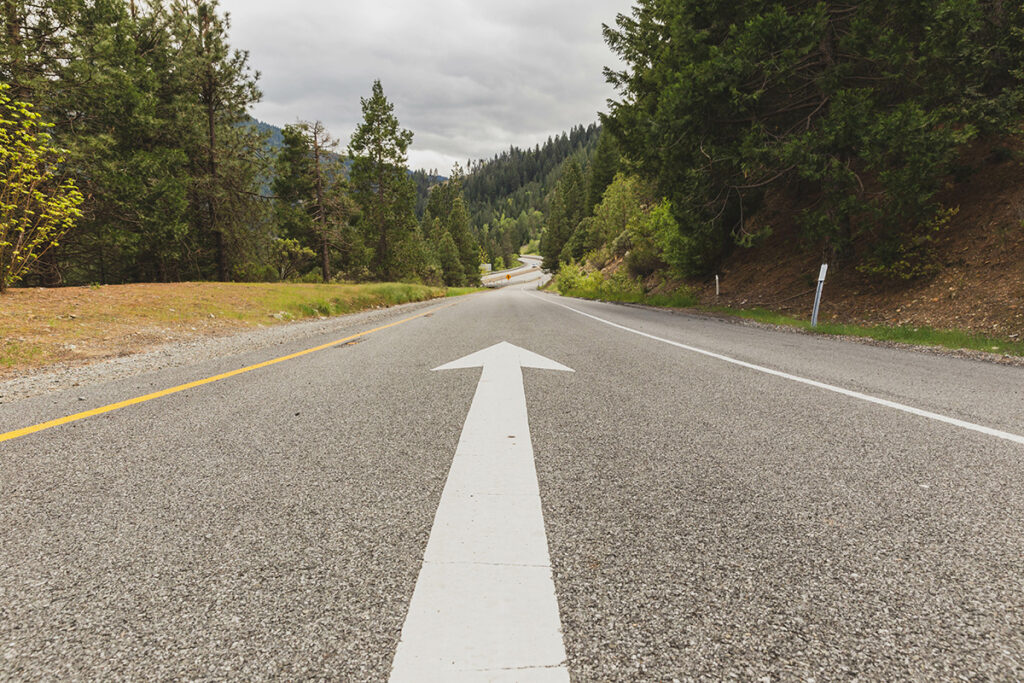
(14,353)
(673,300)
(592,286)
(461,291)
(907,334)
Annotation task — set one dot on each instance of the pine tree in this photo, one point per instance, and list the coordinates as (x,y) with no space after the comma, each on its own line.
(116,108)
(380,183)
(293,186)
(311,199)
(603,168)
(219,89)
(451,263)
(458,226)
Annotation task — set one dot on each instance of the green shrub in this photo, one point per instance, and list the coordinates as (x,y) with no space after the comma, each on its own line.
(911,255)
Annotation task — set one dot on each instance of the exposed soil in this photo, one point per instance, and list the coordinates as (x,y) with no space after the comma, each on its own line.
(979,288)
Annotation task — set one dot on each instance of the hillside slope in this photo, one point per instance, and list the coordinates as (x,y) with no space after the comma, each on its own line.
(980,285)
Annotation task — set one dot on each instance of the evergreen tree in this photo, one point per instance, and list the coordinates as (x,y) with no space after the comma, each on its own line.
(603,168)
(312,204)
(451,263)
(293,186)
(568,208)
(117,111)
(219,88)
(381,186)
(469,252)
(861,105)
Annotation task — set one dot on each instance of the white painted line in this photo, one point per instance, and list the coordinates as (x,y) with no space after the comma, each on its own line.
(1015,438)
(484,607)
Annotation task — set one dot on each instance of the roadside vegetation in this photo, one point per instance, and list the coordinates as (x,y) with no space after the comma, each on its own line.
(575,282)
(152,170)
(906,334)
(846,133)
(43,326)
(851,116)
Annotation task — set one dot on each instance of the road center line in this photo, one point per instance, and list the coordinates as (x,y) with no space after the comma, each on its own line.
(17,433)
(484,607)
(1015,438)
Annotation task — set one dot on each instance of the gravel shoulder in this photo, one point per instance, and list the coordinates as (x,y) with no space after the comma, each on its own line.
(191,351)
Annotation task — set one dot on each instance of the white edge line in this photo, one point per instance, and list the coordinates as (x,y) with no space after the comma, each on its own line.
(1015,438)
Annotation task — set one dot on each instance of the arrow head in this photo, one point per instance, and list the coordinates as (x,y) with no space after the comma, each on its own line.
(504,352)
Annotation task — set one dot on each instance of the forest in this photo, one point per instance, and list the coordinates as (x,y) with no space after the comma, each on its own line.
(847,119)
(129,155)
(842,121)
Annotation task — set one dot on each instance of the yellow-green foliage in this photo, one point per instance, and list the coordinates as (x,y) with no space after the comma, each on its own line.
(572,280)
(36,207)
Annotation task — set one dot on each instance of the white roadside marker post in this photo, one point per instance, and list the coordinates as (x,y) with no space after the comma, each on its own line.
(817,294)
(716,286)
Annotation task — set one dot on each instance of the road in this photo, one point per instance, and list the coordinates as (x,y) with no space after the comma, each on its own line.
(708,500)
(529,273)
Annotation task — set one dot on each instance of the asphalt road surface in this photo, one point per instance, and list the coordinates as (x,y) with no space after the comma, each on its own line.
(771,512)
(529,273)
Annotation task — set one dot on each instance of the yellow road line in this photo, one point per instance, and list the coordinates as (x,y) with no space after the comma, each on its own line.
(7,436)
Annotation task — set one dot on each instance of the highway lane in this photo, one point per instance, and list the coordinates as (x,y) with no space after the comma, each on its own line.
(703,519)
(529,273)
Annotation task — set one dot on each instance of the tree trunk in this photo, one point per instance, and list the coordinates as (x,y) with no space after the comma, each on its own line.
(49,270)
(321,214)
(222,261)
(382,244)
(13,19)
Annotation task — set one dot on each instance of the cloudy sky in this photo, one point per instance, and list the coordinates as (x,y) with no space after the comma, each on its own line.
(468,77)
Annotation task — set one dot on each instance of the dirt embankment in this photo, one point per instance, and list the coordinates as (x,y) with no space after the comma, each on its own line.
(980,285)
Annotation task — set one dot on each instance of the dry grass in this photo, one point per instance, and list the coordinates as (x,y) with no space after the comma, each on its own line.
(78,324)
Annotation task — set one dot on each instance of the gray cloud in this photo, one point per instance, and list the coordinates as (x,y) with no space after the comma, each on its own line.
(468,78)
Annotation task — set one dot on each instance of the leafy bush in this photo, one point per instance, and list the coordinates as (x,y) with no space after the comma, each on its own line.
(645,254)
(572,280)
(907,257)
(36,207)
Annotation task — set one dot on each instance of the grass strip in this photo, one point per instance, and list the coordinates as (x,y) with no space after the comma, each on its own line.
(906,334)
(39,326)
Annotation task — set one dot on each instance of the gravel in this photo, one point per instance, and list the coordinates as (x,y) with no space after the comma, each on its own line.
(184,353)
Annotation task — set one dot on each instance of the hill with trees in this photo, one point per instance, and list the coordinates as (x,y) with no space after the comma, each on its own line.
(762,134)
(507,196)
(146,105)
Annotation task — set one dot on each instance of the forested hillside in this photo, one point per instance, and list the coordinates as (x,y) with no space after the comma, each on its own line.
(140,161)
(508,195)
(844,127)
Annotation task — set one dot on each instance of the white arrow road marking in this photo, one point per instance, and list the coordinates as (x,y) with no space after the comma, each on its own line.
(484,606)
